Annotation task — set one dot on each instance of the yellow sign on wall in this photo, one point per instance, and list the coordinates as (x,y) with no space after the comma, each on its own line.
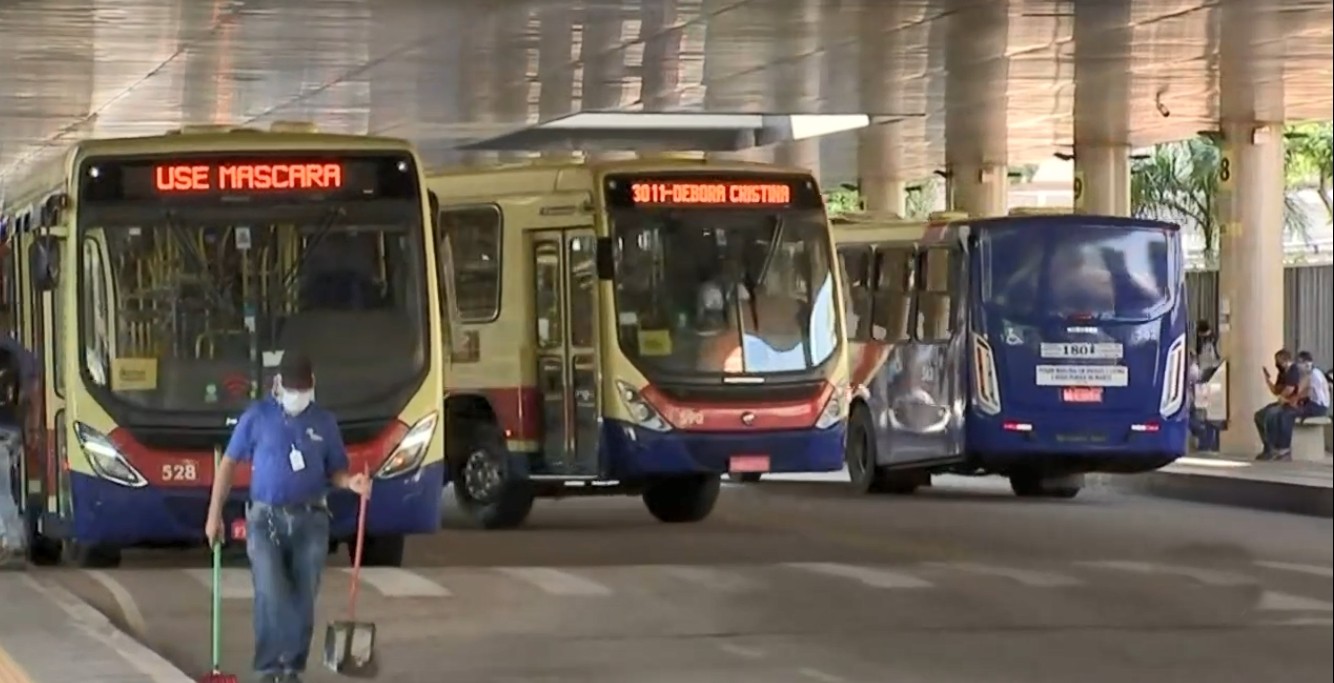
(133,374)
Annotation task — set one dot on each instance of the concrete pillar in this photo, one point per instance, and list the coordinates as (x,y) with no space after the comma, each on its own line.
(725,90)
(975,120)
(877,169)
(1251,205)
(979,189)
(510,52)
(555,75)
(798,76)
(1102,179)
(603,65)
(1102,34)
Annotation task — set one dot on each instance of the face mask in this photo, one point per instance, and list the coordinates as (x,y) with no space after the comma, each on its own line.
(295,402)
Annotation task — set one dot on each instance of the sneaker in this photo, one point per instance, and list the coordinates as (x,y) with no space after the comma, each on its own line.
(1282,456)
(1264,455)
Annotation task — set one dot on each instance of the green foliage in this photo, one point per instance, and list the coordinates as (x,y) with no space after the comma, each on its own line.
(1179,182)
(1310,161)
(919,200)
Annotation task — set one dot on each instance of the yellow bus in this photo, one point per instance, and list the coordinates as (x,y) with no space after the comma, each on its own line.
(160,280)
(638,327)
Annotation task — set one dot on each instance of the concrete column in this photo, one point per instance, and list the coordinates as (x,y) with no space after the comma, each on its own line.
(555,73)
(798,77)
(975,121)
(604,66)
(979,189)
(510,52)
(1102,112)
(1251,193)
(1102,179)
(877,169)
(725,90)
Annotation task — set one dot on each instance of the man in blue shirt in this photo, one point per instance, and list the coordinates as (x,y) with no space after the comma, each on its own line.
(1270,420)
(296,455)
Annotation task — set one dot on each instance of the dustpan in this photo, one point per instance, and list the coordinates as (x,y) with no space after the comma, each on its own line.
(215,674)
(349,645)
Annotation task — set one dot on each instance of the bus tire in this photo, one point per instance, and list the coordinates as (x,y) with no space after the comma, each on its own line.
(91,556)
(379,551)
(682,500)
(860,451)
(486,486)
(745,477)
(42,551)
(1029,485)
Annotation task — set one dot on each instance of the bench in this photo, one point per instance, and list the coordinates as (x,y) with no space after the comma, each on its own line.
(1308,439)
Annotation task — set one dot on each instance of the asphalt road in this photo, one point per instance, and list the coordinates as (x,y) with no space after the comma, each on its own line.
(800,582)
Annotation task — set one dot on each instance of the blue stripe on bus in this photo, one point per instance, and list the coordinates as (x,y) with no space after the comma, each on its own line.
(677,452)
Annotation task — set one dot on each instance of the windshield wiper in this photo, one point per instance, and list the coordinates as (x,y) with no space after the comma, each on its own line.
(330,222)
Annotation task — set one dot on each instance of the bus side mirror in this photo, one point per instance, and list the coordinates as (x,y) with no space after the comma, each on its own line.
(606,258)
(53,209)
(44,263)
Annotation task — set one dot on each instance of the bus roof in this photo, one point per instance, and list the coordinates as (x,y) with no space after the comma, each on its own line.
(1085,220)
(550,176)
(868,227)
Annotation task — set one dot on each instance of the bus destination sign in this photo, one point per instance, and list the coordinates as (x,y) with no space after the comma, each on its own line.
(257,176)
(686,191)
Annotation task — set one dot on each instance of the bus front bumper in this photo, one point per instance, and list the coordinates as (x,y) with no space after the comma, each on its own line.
(630,452)
(110,514)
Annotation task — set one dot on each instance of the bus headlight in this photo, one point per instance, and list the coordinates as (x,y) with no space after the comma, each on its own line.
(407,456)
(106,460)
(1174,379)
(835,409)
(641,412)
(986,383)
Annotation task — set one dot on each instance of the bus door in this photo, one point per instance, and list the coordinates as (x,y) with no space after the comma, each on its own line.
(939,373)
(565,292)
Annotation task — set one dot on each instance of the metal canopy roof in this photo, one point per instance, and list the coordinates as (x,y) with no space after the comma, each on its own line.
(450,72)
(691,131)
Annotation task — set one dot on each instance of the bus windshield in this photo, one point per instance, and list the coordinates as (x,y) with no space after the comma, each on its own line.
(1094,272)
(724,292)
(178,315)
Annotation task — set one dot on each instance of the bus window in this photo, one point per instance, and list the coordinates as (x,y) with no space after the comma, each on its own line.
(97,353)
(893,293)
(474,236)
(855,265)
(937,272)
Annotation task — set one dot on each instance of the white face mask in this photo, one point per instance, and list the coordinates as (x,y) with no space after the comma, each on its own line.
(295,402)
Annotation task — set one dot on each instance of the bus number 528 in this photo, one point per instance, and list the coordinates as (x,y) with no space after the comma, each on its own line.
(180,472)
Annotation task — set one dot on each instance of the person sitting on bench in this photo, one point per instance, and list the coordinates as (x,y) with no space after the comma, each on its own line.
(1298,404)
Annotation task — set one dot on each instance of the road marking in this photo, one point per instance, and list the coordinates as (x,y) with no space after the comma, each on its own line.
(10,671)
(555,581)
(741,651)
(1026,577)
(1208,577)
(393,582)
(236,584)
(819,675)
(134,619)
(708,577)
(875,578)
(1300,621)
(1285,602)
(1311,569)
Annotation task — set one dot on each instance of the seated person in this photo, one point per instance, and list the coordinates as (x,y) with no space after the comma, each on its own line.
(1270,420)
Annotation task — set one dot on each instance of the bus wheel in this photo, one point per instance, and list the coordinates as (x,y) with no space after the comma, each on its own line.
(745,477)
(91,556)
(42,551)
(485,485)
(379,551)
(679,500)
(1037,486)
(859,453)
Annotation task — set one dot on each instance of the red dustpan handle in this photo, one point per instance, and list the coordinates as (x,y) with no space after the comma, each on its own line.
(356,556)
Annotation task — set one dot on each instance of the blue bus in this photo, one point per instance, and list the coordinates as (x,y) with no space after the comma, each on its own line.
(1037,347)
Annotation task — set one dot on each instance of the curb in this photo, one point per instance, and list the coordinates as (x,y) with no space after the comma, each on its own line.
(1256,494)
(152,665)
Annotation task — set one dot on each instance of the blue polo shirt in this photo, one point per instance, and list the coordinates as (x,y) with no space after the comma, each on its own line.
(265,437)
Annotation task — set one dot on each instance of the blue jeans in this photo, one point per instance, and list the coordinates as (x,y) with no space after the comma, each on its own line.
(1284,421)
(287,547)
(13,533)
(1265,425)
